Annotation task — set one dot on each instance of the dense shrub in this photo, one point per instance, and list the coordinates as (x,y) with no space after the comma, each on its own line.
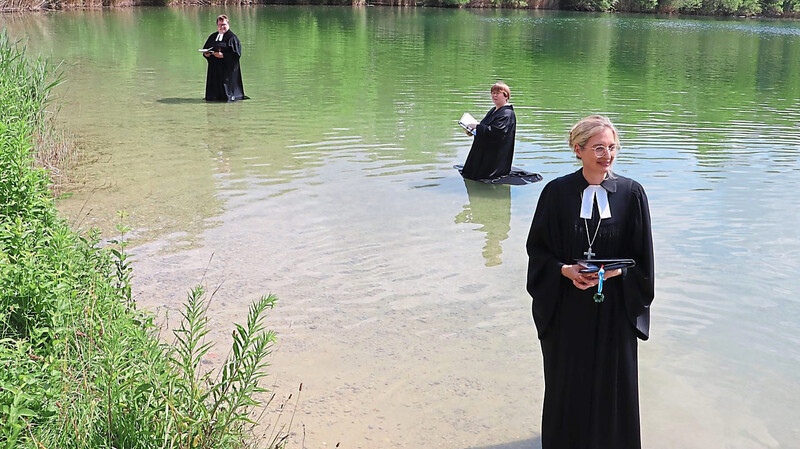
(636,5)
(589,5)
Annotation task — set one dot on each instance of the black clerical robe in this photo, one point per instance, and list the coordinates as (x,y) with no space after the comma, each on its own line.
(590,349)
(493,146)
(224,76)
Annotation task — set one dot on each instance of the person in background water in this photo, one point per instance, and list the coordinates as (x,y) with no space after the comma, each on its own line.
(589,344)
(493,147)
(224,77)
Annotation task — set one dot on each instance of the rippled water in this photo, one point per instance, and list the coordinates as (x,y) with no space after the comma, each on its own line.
(403,308)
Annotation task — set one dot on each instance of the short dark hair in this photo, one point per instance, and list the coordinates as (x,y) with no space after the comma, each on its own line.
(222,17)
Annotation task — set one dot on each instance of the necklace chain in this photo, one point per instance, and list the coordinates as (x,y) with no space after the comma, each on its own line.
(589,253)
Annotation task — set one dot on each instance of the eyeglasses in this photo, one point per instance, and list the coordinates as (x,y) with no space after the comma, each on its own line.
(600,150)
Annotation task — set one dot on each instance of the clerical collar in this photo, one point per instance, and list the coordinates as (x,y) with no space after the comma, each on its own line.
(587,201)
(219,36)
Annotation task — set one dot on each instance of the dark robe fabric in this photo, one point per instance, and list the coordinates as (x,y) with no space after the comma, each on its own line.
(224,76)
(493,146)
(589,349)
(515,177)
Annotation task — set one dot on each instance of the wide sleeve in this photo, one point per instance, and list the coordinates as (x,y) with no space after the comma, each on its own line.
(639,281)
(210,41)
(544,269)
(235,46)
(496,126)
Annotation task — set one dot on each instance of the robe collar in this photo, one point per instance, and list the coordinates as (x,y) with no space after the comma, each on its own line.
(610,183)
(596,193)
(507,105)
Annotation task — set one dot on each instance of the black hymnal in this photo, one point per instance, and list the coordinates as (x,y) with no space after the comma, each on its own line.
(593,265)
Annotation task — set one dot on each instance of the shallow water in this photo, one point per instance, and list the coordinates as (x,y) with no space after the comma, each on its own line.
(402,301)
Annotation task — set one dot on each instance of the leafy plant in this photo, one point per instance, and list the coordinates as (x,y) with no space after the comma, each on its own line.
(122,262)
(217,411)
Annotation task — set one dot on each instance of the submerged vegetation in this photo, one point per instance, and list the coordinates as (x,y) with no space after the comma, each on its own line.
(80,365)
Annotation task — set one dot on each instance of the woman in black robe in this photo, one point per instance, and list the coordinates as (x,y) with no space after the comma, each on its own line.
(224,77)
(589,348)
(493,148)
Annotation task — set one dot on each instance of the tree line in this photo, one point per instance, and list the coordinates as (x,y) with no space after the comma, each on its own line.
(749,8)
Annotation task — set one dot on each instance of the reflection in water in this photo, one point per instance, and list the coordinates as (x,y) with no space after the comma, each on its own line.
(489,206)
(223,133)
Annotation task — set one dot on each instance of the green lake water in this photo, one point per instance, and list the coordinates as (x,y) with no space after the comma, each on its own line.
(402,288)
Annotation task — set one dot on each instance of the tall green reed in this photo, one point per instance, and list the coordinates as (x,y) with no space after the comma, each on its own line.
(27,85)
(217,410)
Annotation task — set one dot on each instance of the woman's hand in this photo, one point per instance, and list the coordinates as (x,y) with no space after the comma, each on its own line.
(585,280)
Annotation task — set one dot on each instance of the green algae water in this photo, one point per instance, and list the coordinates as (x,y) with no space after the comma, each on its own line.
(403,307)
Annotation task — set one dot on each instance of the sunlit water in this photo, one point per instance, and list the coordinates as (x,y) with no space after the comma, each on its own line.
(402,300)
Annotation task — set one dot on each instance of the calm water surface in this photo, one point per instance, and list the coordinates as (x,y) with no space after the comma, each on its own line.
(403,308)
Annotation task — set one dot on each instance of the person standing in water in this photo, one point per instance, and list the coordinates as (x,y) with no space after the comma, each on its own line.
(589,338)
(224,76)
(493,147)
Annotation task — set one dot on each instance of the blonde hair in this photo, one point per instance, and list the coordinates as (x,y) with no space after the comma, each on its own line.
(587,127)
(502,87)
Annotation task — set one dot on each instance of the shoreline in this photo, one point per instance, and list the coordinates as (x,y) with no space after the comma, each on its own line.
(536,5)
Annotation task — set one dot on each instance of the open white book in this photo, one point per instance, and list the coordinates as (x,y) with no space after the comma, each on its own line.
(468,122)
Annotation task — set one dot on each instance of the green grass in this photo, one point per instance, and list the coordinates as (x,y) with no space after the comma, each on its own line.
(80,365)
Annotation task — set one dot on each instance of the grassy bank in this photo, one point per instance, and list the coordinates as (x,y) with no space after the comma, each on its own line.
(29,100)
(80,365)
(767,8)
